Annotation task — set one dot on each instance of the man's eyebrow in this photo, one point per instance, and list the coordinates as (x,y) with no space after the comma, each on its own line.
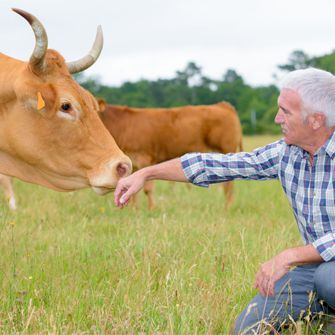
(283,108)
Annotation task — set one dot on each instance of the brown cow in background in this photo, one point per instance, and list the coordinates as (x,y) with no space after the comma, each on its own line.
(153,135)
(6,184)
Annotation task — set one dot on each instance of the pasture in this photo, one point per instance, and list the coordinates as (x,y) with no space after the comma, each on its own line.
(75,264)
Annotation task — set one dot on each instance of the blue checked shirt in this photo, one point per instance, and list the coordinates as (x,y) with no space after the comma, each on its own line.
(310,188)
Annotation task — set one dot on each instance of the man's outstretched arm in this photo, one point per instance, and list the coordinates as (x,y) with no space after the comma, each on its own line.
(126,187)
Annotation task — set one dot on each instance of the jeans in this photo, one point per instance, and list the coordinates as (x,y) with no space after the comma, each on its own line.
(305,290)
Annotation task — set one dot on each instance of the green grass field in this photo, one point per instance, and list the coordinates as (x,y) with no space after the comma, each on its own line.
(75,264)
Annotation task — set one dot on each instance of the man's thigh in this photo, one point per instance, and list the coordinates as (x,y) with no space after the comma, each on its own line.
(294,297)
(325,283)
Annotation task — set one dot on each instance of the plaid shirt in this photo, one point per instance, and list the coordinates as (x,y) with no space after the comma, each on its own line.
(310,188)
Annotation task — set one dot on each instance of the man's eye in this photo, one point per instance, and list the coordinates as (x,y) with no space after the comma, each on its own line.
(66,107)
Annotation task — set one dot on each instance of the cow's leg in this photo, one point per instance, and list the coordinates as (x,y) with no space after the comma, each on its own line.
(6,184)
(234,146)
(228,188)
(173,184)
(134,201)
(148,190)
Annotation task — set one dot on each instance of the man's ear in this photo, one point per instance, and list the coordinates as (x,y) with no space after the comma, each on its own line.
(318,120)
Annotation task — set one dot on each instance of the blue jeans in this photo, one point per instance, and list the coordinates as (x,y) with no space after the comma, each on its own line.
(307,289)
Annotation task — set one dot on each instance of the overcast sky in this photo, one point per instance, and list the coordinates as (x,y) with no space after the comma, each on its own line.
(154,38)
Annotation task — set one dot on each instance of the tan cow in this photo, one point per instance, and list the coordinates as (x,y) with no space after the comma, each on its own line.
(153,135)
(50,132)
(6,184)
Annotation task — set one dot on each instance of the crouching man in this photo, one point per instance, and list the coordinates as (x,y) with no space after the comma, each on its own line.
(299,279)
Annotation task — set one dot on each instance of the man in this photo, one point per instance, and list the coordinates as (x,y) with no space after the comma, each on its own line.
(301,279)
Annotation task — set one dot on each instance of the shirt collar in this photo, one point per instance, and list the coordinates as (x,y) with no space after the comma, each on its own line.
(328,147)
(298,151)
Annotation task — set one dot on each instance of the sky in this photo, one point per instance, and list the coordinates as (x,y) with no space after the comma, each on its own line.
(151,39)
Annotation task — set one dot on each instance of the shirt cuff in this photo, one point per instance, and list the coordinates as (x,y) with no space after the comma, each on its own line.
(194,169)
(325,245)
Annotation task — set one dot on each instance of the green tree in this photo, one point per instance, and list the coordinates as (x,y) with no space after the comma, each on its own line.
(298,59)
(326,62)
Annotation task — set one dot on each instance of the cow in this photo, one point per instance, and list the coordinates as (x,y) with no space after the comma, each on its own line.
(50,131)
(6,184)
(153,135)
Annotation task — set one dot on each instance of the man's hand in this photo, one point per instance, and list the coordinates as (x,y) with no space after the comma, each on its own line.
(270,272)
(279,265)
(128,186)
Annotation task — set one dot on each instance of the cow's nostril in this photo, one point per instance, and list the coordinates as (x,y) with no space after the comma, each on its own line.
(122,169)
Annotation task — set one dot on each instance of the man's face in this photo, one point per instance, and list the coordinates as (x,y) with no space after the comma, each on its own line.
(295,129)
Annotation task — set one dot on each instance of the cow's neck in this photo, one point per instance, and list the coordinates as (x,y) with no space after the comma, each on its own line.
(15,167)
(10,70)
(11,166)
(118,120)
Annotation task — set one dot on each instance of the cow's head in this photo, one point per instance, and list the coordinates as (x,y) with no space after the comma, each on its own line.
(50,132)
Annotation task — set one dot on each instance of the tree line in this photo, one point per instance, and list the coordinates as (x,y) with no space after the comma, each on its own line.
(256,106)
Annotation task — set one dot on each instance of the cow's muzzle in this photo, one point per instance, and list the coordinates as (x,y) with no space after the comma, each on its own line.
(106,179)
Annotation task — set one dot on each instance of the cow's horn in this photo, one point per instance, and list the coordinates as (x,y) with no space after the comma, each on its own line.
(41,45)
(88,60)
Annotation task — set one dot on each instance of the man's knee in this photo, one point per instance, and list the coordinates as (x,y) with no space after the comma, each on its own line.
(244,324)
(324,283)
(249,321)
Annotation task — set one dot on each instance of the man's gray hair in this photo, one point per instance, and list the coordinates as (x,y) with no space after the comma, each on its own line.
(316,89)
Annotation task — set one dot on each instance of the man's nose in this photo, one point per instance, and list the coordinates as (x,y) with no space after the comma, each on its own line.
(279,118)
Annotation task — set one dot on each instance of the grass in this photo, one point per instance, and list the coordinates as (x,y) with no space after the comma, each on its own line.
(74,264)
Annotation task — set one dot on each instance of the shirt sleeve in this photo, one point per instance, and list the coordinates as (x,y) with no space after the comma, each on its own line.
(203,169)
(325,245)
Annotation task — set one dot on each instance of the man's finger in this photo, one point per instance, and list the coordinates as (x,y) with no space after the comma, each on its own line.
(264,285)
(117,192)
(258,280)
(271,288)
(125,198)
(116,197)
(261,290)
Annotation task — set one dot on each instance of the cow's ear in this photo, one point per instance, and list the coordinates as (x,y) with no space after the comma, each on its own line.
(102,105)
(41,99)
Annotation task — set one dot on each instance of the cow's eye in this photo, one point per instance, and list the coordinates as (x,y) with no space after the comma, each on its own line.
(66,107)
(67,111)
